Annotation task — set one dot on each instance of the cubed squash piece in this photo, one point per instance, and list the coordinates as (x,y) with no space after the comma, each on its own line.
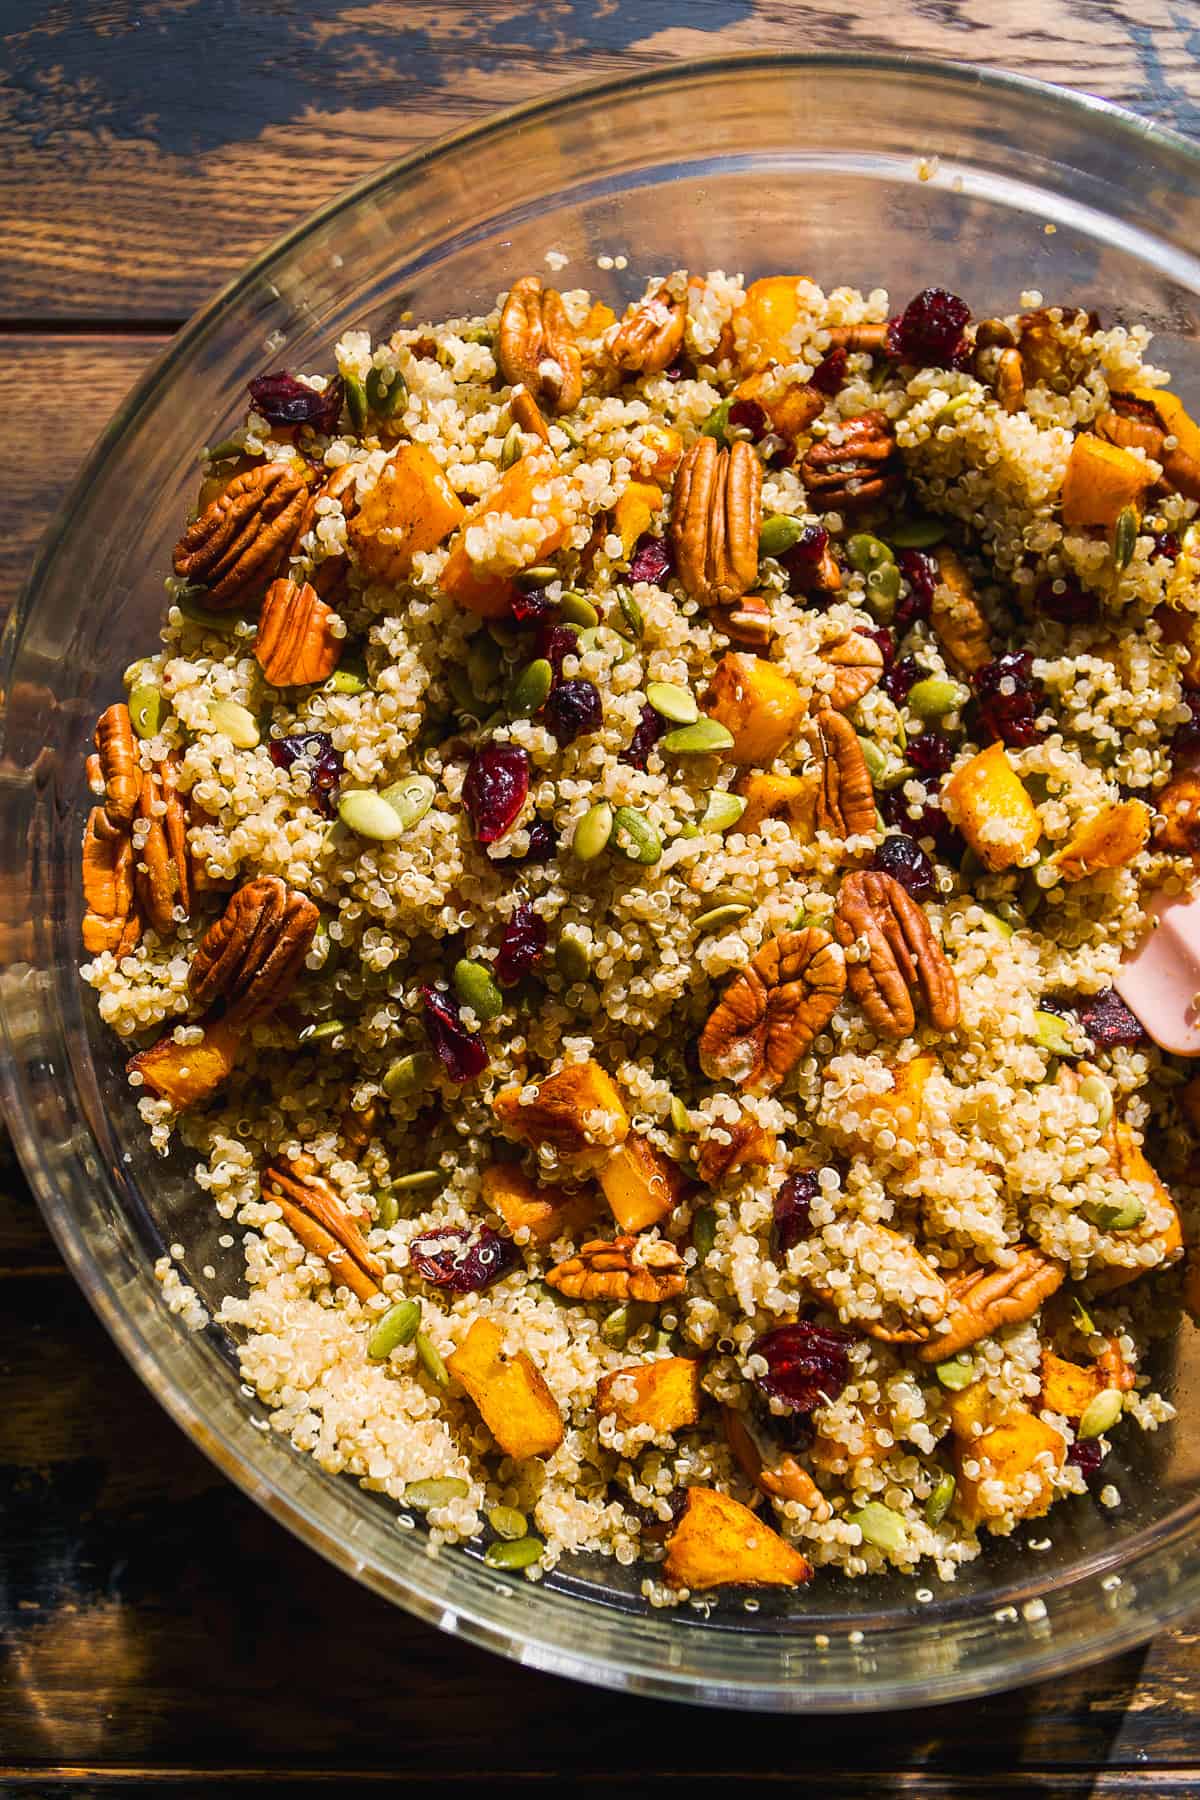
(1131,1164)
(1172,415)
(411,508)
(641,1184)
(185,1074)
(1178,626)
(1101,480)
(1013,1466)
(1067,1387)
(898,1110)
(791,406)
(663,445)
(788,797)
(764,322)
(634,513)
(1107,840)
(666,1394)
(718,1542)
(577,1109)
(527,1205)
(513,1400)
(485,591)
(993,809)
(760,705)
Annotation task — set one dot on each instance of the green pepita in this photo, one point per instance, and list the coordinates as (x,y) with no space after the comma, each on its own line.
(398,1326)
(704,738)
(225,451)
(635,836)
(529,689)
(350,678)
(386,1209)
(235,721)
(356,402)
(409,1075)
(882,592)
(957,1373)
(188,601)
(1051,1034)
(508,1522)
(368,814)
(681,1118)
(719,917)
(483,663)
(572,959)
(1083,1318)
(1125,536)
(780,533)
(477,988)
(431,1362)
(322,1033)
(630,612)
(512,447)
(617,1327)
(671,702)
(386,392)
(410,798)
(704,1233)
(936,696)
(722,810)
(538,575)
(521,1555)
(995,923)
(420,1181)
(940,1498)
(864,552)
(147,707)
(437,1491)
(880,1526)
(593,831)
(717,423)
(1096,1091)
(1101,1413)
(1109,1215)
(918,534)
(576,609)
(875,760)
(957,403)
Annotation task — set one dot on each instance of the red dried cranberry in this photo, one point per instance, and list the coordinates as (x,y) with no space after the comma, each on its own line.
(543,842)
(1107,1020)
(1185,740)
(282,400)
(804,559)
(793,1204)
(532,607)
(900,678)
(930,332)
(522,947)
(807,1365)
(931,822)
(315,747)
(651,561)
(748,416)
(556,642)
(1009,699)
(1072,606)
(461,1052)
(830,372)
(1167,544)
(463,1261)
(650,727)
(921,573)
(495,788)
(882,636)
(903,859)
(930,754)
(1086,1454)
(573,708)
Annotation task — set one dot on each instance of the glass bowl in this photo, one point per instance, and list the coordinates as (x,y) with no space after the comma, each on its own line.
(866,170)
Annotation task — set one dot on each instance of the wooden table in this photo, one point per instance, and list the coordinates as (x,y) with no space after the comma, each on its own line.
(157,1627)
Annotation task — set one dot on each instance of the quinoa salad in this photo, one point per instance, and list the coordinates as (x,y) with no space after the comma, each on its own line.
(618,872)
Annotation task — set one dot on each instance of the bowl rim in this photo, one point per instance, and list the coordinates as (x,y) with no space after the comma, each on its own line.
(208,1435)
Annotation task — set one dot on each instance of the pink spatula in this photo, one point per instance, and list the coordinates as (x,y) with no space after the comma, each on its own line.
(1159,981)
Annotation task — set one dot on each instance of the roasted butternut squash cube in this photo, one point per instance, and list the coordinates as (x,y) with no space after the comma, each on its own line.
(667,1394)
(760,705)
(641,1183)
(993,809)
(1178,626)
(791,408)
(665,445)
(545,1212)
(411,508)
(1107,840)
(788,797)
(1013,1467)
(764,322)
(513,1400)
(185,1074)
(1130,1163)
(578,1109)
(634,513)
(718,1542)
(1067,1387)
(483,591)
(1102,479)
(1172,415)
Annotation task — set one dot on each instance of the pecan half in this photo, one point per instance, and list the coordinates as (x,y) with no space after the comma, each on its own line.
(650,336)
(786,1480)
(982,1300)
(295,645)
(770,1013)
(253,953)
(328,574)
(872,338)
(622,1268)
(904,957)
(162,861)
(957,616)
(116,747)
(747,623)
(323,1223)
(1134,423)
(1178,808)
(716,516)
(898,1266)
(110,921)
(844,798)
(750,1145)
(536,346)
(857,664)
(526,413)
(1045,359)
(238,543)
(862,468)
(357,1128)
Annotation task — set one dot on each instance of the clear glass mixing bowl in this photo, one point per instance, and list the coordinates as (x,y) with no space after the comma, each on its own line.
(870,171)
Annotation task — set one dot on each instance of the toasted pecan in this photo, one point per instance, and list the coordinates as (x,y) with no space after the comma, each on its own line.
(956,615)
(536,347)
(295,645)
(844,797)
(716,517)
(900,1264)
(527,414)
(253,953)
(329,573)
(162,861)
(110,920)
(750,1145)
(116,747)
(650,335)
(904,957)
(238,543)
(786,1480)
(862,468)
(323,1223)
(621,1268)
(857,664)
(770,1013)
(984,1299)
(1178,807)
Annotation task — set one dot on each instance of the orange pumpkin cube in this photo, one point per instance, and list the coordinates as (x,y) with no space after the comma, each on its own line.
(764,322)
(718,1542)
(993,809)
(185,1074)
(525,1205)
(760,705)
(667,1394)
(513,1399)
(1101,480)
(411,508)
(641,1184)
(484,591)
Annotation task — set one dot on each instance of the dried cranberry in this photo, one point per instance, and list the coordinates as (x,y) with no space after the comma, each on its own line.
(461,1052)
(1086,1454)
(1167,544)
(881,635)
(930,754)
(921,573)
(830,372)
(652,1526)
(930,332)
(282,400)
(1072,606)
(543,842)
(556,642)
(495,788)
(572,709)
(522,947)
(1010,697)
(931,822)
(807,1365)
(315,747)
(650,727)
(903,859)
(805,557)
(651,561)
(1185,740)
(793,1204)
(532,607)
(463,1261)
(748,416)
(900,678)
(1107,1020)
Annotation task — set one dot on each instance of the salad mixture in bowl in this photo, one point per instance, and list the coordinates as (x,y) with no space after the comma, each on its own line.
(619,870)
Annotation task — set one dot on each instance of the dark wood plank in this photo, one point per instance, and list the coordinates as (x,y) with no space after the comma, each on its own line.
(152,148)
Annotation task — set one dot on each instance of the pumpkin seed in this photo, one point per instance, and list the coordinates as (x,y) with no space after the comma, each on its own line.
(880,1526)
(431,1362)
(1097,1093)
(356,402)
(728,894)
(875,760)
(938,1503)
(1125,536)
(437,1491)
(1108,1215)
(538,575)
(576,609)
(350,678)
(630,612)
(882,592)
(681,1118)
(409,1075)
(671,702)
(617,1327)
(936,696)
(593,831)
(368,814)
(722,811)
(235,721)
(572,959)
(507,1522)
(146,708)
(529,690)
(521,1555)
(386,1209)
(223,623)
(864,552)
(1083,1318)
(918,534)
(477,988)
(483,663)
(689,831)
(718,917)
(995,923)
(398,1326)
(1050,1032)
(642,843)
(957,1373)
(704,1232)
(717,423)
(957,403)
(324,1033)
(420,1181)
(410,798)
(225,451)
(386,392)
(512,448)
(1101,1413)
(701,739)
(780,533)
